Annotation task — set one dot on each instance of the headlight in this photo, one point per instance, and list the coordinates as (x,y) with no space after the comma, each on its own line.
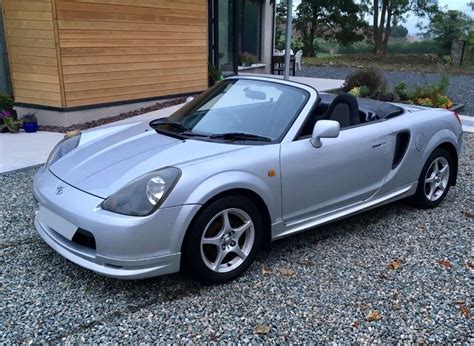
(143,195)
(65,146)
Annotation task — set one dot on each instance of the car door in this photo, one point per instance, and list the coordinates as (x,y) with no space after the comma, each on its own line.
(343,171)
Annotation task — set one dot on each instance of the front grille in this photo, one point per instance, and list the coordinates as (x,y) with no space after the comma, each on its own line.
(84,238)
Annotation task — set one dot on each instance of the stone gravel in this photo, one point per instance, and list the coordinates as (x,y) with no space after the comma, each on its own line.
(318,286)
(460,90)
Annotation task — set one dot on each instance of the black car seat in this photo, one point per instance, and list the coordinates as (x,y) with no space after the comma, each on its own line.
(344,109)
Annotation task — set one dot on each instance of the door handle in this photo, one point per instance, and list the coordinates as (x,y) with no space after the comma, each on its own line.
(378,144)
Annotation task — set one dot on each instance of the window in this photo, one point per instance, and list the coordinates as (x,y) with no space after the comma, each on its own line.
(251,27)
(244,106)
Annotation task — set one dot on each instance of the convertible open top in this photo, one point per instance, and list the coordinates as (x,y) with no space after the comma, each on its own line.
(371,109)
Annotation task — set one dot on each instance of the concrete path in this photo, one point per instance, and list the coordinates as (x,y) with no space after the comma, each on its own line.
(467,123)
(20,150)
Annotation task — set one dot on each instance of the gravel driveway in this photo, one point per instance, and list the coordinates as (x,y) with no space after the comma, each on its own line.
(319,286)
(461,87)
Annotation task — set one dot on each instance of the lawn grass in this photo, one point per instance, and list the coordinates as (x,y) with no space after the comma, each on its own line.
(399,62)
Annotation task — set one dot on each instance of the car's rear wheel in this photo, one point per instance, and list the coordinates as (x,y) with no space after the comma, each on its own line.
(223,240)
(435,179)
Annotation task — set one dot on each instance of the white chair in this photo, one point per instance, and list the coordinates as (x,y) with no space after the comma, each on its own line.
(284,50)
(298,56)
(276,52)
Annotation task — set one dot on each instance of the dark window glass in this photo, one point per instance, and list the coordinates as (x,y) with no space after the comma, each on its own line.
(251,27)
(226,35)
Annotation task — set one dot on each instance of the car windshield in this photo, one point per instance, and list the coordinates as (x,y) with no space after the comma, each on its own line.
(238,110)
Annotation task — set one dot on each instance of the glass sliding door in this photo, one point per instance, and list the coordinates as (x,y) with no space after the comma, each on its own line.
(251,27)
(235,26)
(226,36)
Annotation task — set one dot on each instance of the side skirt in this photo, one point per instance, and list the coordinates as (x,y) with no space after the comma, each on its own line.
(283,230)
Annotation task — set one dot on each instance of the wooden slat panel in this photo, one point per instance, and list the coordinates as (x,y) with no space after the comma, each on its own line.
(115,92)
(97,51)
(97,25)
(132,66)
(27,6)
(136,96)
(34,77)
(39,86)
(107,34)
(32,51)
(34,69)
(31,42)
(198,6)
(43,95)
(143,11)
(37,101)
(108,76)
(29,51)
(31,33)
(34,60)
(32,15)
(121,59)
(122,17)
(134,81)
(28,24)
(124,43)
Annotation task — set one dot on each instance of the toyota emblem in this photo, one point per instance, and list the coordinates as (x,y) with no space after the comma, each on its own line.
(59,190)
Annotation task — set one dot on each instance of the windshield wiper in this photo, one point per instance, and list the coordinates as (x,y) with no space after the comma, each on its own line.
(177,126)
(240,136)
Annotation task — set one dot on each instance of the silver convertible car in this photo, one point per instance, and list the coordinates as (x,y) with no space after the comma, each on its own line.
(248,161)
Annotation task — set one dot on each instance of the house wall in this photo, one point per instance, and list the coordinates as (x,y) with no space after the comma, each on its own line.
(33,56)
(76,53)
(116,50)
(5,81)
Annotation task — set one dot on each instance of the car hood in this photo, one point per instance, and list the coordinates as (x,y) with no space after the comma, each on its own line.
(102,165)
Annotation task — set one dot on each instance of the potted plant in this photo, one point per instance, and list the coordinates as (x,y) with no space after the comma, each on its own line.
(214,74)
(8,123)
(247,59)
(30,123)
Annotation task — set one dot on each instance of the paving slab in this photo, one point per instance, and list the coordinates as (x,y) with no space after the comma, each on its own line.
(20,150)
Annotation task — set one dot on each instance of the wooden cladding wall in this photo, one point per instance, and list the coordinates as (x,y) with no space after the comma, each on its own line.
(68,53)
(33,53)
(116,50)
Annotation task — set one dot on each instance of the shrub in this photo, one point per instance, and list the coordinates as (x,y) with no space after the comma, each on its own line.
(6,102)
(362,91)
(401,91)
(369,78)
(384,96)
(248,58)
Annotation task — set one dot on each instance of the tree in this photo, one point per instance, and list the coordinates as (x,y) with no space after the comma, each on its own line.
(399,31)
(448,26)
(388,13)
(338,20)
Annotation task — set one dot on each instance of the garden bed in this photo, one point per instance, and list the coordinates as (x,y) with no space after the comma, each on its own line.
(104,121)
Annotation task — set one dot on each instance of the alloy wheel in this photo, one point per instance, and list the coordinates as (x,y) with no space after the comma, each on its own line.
(436,179)
(227,240)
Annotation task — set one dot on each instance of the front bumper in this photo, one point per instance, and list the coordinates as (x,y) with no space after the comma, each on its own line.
(124,247)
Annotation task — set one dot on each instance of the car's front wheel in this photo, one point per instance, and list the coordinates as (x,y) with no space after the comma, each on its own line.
(434,180)
(223,239)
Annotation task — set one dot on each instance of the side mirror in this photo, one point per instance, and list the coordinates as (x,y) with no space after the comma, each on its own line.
(189,99)
(324,129)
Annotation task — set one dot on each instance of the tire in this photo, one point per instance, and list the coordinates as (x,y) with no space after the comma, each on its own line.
(222,240)
(432,186)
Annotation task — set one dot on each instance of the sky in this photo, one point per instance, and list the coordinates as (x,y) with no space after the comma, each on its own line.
(411,21)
